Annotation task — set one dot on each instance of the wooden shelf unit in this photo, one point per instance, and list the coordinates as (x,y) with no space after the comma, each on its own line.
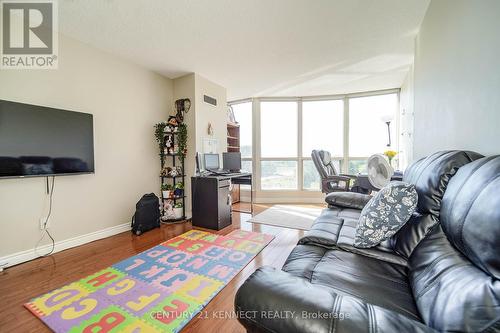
(233,145)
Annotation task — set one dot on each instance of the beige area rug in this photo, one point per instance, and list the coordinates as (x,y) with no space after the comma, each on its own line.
(288,216)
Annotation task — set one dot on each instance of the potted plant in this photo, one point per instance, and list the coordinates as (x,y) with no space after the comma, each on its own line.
(178,210)
(166,190)
(179,189)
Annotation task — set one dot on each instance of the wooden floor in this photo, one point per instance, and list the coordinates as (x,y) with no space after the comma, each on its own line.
(21,283)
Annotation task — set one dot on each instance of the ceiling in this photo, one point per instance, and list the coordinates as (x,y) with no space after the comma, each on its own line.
(257,47)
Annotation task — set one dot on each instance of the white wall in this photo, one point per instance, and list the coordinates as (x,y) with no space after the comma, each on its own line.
(184,88)
(206,113)
(126,101)
(406,122)
(194,86)
(457,78)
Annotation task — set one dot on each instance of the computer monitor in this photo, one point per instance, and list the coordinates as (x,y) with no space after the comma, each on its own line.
(231,161)
(211,161)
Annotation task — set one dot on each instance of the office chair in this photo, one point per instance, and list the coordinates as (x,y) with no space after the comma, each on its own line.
(331,181)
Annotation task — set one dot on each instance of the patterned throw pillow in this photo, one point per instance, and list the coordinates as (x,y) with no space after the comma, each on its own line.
(385,214)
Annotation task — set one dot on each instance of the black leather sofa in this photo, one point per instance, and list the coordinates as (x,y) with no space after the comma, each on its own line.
(440,272)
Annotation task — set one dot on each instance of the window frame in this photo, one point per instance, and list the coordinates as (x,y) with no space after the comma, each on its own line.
(277,159)
(241,101)
(344,159)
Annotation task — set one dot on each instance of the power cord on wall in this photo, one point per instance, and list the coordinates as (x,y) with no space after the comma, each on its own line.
(46,231)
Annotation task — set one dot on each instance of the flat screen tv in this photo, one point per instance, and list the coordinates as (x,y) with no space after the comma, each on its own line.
(42,141)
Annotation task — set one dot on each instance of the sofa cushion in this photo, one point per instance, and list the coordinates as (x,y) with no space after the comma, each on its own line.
(383,251)
(471,217)
(407,238)
(344,273)
(348,199)
(385,214)
(304,307)
(431,175)
(454,271)
(325,230)
(451,293)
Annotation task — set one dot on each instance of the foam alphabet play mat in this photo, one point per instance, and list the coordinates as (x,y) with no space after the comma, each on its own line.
(158,290)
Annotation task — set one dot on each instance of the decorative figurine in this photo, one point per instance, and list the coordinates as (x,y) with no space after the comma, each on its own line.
(168,209)
(165,171)
(168,141)
(172,124)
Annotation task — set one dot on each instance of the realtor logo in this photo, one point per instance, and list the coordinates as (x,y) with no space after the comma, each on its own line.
(29,38)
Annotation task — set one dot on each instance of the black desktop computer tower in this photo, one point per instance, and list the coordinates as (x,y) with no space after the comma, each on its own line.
(211,202)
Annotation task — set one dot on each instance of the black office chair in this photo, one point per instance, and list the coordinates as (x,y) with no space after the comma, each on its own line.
(331,181)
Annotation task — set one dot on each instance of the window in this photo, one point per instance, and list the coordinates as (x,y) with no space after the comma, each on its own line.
(290,129)
(323,127)
(278,175)
(357,166)
(246,165)
(243,115)
(278,126)
(279,150)
(367,124)
(311,180)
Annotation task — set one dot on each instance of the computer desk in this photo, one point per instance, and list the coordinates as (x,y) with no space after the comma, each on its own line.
(243,178)
(239,178)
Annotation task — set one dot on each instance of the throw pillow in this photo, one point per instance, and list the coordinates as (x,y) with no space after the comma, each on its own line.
(385,214)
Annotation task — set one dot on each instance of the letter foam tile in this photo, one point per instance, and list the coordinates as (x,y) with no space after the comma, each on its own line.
(158,290)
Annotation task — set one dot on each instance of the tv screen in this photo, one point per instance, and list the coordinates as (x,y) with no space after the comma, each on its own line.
(42,141)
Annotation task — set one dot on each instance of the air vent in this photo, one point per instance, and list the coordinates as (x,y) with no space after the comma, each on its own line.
(210,100)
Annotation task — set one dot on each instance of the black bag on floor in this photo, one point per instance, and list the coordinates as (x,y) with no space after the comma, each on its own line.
(147,214)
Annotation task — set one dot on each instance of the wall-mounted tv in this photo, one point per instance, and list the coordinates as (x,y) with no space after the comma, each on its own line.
(42,141)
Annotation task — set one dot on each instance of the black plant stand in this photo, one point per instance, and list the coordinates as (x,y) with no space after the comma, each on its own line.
(165,179)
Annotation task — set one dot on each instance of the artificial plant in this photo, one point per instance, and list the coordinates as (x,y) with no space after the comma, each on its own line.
(182,140)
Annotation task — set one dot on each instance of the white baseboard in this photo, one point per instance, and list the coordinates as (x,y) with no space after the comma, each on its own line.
(27,255)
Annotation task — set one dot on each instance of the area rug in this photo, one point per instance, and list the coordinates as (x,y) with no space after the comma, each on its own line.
(158,290)
(288,216)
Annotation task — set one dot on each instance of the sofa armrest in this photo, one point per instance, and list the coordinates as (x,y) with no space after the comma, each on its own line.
(324,231)
(336,183)
(348,199)
(271,300)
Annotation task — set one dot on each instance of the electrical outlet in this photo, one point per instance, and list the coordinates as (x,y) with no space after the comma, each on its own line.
(42,223)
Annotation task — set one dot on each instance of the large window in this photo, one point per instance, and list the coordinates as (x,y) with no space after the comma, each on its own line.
(278,126)
(350,127)
(279,175)
(279,138)
(368,130)
(323,127)
(243,115)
